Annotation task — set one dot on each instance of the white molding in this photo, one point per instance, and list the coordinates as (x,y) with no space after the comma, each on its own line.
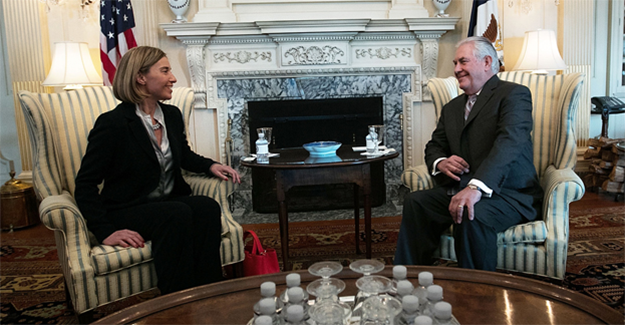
(616,55)
(313,26)
(254,10)
(578,28)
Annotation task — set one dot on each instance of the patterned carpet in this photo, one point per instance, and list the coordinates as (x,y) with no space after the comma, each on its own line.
(32,287)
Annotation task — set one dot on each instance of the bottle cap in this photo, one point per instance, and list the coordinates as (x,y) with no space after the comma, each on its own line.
(410,303)
(426,279)
(422,320)
(442,310)
(296,295)
(268,289)
(267,306)
(263,320)
(295,313)
(399,272)
(404,287)
(293,280)
(435,292)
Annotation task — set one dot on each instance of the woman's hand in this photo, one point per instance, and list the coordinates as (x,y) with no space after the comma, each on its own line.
(124,238)
(223,172)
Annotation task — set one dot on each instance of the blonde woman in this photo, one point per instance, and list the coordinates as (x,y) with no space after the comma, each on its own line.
(138,150)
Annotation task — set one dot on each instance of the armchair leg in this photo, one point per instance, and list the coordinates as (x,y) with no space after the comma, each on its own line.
(237,270)
(233,271)
(68,299)
(86,317)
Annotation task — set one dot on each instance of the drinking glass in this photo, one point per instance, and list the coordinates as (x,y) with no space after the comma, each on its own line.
(378,308)
(376,132)
(266,131)
(325,269)
(366,267)
(328,309)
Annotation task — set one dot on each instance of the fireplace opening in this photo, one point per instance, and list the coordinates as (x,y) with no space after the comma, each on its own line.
(296,122)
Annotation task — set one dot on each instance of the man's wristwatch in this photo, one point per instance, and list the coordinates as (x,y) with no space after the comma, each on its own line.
(473,187)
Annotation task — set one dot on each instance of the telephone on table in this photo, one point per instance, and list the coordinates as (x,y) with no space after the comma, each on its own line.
(605,106)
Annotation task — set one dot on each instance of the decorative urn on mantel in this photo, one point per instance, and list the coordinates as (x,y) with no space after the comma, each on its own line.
(179,8)
(441,5)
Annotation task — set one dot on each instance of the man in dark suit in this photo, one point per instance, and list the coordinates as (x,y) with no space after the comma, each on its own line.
(481,157)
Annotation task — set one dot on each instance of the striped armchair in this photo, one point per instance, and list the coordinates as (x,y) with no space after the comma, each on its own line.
(98,274)
(537,247)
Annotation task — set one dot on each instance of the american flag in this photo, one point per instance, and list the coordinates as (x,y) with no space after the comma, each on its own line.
(116,35)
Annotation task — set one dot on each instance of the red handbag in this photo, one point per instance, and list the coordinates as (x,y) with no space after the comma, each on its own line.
(258,260)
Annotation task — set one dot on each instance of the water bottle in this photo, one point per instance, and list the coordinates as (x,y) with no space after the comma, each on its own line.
(262,320)
(295,315)
(423,320)
(267,307)
(442,313)
(292,280)
(410,310)
(399,273)
(296,298)
(268,290)
(435,294)
(370,144)
(262,149)
(404,288)
(426,279)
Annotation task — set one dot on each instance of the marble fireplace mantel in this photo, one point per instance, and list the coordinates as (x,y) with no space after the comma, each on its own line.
(313,47)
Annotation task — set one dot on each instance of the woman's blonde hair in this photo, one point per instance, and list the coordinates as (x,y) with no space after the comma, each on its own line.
(137,60)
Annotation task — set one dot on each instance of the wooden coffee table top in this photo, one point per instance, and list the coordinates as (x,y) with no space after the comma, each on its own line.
(477,297)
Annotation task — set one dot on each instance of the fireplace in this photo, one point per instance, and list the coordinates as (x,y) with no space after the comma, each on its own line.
(386,85)
(257,58)
(296,122)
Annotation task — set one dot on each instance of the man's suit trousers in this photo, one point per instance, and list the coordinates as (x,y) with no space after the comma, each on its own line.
(426,216)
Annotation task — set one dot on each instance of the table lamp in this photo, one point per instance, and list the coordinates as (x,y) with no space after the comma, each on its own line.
(72,67)
(540,53)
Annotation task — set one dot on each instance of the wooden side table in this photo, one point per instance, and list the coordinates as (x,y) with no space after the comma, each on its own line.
(292,169)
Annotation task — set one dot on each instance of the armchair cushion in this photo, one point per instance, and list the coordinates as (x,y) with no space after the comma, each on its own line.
(108,259)
(531,232)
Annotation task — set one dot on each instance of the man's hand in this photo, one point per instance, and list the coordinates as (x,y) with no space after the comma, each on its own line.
(453,166)
(124,238)
(223,172)
(465,199)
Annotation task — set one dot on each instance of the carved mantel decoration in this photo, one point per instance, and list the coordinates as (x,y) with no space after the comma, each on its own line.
(314,47)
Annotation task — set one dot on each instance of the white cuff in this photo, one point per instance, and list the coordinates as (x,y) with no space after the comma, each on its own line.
(485,189)
(434,171)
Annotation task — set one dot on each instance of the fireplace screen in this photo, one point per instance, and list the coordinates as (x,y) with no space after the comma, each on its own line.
(296,122)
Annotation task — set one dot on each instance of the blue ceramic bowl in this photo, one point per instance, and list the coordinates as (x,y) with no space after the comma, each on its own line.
(323,159)
(322,148)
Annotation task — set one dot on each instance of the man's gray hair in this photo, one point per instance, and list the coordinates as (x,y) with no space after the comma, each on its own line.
(482,47)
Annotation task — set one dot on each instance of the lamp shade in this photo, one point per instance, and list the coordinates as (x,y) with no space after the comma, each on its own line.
(72,66)
(540,52)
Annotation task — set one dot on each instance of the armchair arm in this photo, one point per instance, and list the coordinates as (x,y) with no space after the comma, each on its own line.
(417,178)
(562,186)
(60,213)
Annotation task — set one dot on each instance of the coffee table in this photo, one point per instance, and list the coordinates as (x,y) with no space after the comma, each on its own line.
(294,167)
(477,297)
